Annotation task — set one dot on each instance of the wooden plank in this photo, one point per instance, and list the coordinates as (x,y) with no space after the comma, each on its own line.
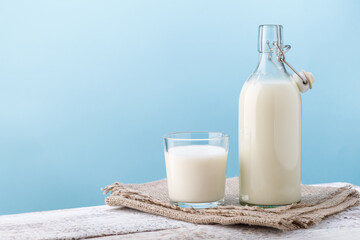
(239,232)
(103,222)
(82,223)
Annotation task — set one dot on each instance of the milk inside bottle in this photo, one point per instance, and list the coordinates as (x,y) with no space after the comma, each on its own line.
(270,129)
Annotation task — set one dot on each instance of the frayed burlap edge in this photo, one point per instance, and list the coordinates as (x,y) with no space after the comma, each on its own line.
(285,218)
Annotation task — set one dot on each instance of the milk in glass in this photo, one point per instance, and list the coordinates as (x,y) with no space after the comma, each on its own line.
(196,173)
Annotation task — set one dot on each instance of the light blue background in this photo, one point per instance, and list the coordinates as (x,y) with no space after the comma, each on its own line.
(88,89)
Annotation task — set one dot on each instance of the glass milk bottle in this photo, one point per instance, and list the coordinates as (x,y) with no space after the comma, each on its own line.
(270,128)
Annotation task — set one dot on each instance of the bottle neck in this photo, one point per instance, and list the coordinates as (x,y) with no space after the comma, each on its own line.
(269,67)
(268,61)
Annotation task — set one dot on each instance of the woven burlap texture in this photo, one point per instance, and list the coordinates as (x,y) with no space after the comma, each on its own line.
(316,203)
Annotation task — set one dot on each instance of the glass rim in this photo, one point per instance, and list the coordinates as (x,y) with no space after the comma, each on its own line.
(271,25)
(222,135)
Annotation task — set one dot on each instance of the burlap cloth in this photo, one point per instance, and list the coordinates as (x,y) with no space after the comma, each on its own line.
(316,204)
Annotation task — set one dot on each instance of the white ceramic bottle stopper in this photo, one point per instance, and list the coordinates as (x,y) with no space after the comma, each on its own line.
(304,85)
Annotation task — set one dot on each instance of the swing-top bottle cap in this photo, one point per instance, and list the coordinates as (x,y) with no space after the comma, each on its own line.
(271,41)
(268,34)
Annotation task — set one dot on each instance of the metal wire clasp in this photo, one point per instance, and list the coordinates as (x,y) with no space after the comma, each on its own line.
(281,58)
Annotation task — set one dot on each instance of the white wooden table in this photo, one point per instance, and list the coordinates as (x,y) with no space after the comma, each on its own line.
(103,222)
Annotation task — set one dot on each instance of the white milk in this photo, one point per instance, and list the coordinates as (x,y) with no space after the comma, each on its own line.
(270,142)
(196,173)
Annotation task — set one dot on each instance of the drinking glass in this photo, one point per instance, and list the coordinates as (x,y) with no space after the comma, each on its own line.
(196,168)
